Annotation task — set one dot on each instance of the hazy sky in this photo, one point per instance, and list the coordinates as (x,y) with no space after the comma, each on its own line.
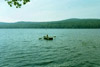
(50,10)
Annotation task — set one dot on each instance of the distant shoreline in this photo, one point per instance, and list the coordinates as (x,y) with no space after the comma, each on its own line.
(64,24)
(49,28)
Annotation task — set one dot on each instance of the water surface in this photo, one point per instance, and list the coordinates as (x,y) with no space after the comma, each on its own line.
(70,48)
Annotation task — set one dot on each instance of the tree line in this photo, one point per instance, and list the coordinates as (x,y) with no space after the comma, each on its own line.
(70,23)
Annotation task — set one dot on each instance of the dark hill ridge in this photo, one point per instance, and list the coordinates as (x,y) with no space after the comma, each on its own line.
(69,23)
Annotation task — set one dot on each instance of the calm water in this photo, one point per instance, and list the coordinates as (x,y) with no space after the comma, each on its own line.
(70,48)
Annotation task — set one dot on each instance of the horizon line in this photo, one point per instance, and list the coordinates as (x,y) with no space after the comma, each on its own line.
(45,21)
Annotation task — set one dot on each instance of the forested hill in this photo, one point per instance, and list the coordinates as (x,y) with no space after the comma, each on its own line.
(69,23)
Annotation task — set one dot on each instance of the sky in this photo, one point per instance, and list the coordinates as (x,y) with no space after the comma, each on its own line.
(50,10)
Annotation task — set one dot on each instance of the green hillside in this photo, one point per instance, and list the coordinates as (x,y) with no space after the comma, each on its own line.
(69,23)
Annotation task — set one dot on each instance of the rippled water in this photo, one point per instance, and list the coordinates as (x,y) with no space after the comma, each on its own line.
(70,48)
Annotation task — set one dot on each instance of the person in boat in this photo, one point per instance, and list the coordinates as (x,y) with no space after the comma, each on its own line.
(47,36)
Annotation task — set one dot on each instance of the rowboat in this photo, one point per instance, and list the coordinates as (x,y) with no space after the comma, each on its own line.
(48,38)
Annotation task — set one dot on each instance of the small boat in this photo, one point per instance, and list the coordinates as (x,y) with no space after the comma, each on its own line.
(48,38)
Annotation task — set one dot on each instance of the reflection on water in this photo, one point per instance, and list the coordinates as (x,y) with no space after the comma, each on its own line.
(70,48)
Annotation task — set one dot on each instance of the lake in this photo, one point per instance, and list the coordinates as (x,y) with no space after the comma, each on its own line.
(70,48)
